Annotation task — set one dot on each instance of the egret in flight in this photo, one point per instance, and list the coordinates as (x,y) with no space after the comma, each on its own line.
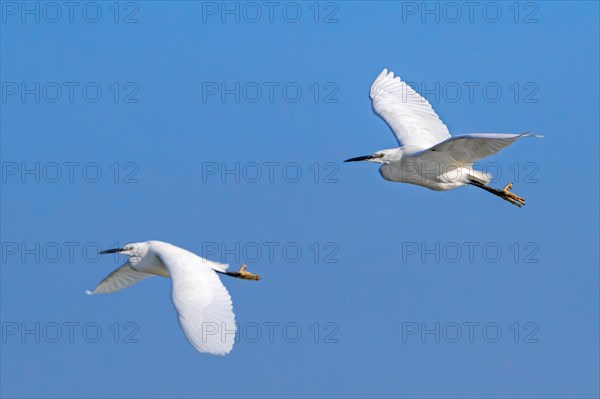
(428,156)
(202,302)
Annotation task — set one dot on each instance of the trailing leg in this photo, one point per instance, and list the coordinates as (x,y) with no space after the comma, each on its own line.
(504,193)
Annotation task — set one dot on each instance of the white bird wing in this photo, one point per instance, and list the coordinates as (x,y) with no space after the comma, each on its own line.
(409,115)
(120,278)
(202,302)
(469,148)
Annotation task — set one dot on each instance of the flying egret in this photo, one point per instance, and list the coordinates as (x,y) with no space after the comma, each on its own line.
(202,302)
(428,156)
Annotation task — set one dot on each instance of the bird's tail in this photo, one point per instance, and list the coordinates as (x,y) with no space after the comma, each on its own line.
(479,176)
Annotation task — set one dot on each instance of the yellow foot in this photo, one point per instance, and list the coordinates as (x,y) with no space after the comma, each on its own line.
(512,197)
(242,273)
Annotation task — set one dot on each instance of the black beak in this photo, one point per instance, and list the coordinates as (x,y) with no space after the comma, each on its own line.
(111,251)
(363,158)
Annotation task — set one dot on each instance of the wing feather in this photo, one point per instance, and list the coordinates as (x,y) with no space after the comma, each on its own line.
(409,116)
(122,277)
(470,148)
(202,302)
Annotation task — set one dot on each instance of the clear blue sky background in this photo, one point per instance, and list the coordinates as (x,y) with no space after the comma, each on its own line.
(376,289)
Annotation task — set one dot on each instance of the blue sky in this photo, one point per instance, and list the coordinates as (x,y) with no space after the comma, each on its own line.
(222,129)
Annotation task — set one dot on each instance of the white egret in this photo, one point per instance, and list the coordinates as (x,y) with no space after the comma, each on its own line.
(202,302)
(428,156)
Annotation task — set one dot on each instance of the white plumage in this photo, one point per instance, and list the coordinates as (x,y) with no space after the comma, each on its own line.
(410,116)
(202,302)
(428,156)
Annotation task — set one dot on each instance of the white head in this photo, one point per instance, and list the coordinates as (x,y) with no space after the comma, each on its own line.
(383,156)
(135,249)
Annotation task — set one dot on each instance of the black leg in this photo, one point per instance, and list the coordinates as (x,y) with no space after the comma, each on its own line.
(505,193)
(242,273)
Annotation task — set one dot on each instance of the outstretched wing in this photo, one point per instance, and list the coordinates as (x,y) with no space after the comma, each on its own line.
(202,302)
(122,277)
(470,148)
(409,115)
